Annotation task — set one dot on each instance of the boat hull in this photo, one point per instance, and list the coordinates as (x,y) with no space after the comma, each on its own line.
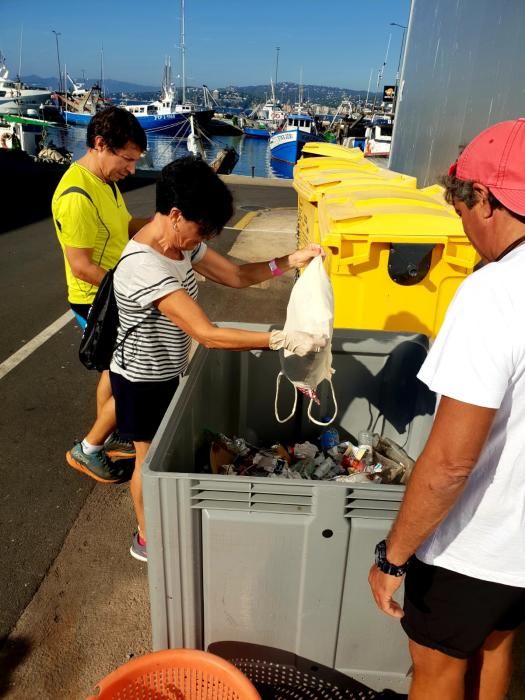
(287,145)
(255,133)
(173,124)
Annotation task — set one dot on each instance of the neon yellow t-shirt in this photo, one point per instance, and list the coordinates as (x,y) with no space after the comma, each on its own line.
(99,221)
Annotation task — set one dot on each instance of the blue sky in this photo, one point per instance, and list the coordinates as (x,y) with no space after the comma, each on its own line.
(334,43)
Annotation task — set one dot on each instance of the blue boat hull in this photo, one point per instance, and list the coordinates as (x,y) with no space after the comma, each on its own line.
(255,133)
(287,145)
(177,124)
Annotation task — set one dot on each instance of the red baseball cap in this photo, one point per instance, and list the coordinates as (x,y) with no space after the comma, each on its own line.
(496,158)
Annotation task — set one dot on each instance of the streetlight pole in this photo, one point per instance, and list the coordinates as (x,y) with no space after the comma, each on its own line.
(398,74)
(57,34)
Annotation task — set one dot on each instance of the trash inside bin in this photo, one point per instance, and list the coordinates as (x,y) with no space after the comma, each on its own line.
(273,561)
(396,257)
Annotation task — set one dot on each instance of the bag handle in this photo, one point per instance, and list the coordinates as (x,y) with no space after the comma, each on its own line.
(277,385)
(323,423)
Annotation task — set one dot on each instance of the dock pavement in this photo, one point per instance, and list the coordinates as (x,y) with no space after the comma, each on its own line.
(74,603)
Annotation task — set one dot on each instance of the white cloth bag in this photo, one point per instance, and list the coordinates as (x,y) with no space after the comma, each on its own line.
(311,310)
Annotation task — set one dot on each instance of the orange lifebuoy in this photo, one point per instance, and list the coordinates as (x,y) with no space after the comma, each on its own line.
(4,138)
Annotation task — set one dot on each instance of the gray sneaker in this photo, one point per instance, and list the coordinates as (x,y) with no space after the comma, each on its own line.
(137,550)
(117,448)
(95,465)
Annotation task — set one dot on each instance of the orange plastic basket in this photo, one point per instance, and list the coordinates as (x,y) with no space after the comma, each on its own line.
(176,674)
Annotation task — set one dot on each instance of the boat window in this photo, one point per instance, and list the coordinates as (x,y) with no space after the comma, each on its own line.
(2,93)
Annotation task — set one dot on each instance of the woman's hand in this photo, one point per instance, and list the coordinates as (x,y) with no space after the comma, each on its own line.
(303,256)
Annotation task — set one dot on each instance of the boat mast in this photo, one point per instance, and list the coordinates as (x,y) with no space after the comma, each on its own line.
(277,49)
(183,52)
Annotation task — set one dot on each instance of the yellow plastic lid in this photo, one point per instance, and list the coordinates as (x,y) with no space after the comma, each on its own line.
(391,214)
(311,182)
(323,148)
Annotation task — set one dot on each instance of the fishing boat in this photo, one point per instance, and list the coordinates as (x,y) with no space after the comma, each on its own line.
(287,144)
(264,119)
(29,135)
(18,98)
(78,110)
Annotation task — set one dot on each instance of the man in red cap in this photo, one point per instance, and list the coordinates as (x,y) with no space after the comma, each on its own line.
(460,534)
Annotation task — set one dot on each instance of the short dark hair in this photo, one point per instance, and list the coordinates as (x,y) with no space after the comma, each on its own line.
(189,184)
(117,126)
(457,190)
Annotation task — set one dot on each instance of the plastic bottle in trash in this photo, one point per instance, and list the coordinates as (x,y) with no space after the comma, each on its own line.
(366,441)
(329,437)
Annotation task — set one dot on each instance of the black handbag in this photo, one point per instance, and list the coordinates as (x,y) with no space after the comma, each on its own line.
(99,339)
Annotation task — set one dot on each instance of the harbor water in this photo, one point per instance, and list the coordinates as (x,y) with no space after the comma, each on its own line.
(254,154)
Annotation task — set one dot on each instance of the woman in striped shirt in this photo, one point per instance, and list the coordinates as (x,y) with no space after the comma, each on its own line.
(156,293)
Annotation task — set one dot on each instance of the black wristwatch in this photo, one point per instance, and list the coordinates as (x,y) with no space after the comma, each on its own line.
(384,565)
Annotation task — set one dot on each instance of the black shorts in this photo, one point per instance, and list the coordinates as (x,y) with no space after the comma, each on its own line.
(454,613)
(141,406)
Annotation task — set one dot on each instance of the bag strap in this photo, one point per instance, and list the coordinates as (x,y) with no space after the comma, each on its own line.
(324,423)
(277,385)
(130,330)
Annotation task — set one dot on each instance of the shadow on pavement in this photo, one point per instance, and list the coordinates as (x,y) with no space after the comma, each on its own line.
(12,653)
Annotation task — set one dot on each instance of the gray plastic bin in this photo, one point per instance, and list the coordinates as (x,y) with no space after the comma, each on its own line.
(271,561)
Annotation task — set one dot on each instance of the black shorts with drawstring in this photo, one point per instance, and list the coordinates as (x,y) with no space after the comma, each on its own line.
(140,406)
(454,613)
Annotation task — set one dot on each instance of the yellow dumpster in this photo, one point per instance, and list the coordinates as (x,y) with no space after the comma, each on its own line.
(395,257)
(314,177)
(323,148)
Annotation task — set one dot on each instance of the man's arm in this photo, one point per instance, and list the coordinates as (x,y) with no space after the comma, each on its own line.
(439,476)
(82,266)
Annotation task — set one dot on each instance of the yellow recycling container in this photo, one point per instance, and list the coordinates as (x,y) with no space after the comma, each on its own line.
(395,257)
(314,177)
(324,148)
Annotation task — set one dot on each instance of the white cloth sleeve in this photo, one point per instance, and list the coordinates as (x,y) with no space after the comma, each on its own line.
(471,358)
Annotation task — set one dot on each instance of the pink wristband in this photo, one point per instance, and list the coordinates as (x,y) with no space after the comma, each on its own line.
(276,270)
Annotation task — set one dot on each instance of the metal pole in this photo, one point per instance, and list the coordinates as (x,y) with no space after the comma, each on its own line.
(183,54)
(277,48)
(57,34)
(398,74)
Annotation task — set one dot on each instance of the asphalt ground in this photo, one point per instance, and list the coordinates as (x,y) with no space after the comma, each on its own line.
(48,399)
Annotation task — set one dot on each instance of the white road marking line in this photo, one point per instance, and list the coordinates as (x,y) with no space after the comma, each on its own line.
(30,347)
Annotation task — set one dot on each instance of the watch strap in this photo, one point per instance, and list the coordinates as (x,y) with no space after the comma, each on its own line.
(384,565)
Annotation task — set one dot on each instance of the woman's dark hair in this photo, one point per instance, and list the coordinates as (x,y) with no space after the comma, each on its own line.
(117,126)
(189,184)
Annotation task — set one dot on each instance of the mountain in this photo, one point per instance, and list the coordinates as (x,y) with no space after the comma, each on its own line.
(286,92)
(109,84)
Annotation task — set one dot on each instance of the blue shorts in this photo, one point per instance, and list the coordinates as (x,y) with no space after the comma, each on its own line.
(81,313)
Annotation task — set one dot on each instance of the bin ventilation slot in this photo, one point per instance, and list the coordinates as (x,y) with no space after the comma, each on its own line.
(370,505)
(252,497)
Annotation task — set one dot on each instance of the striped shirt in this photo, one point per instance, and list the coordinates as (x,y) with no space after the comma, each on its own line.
(156,349)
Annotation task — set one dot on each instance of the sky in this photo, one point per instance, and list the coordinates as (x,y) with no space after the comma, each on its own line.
(339,43)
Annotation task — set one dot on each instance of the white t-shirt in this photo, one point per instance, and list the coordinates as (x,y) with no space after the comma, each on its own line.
(479,358)
(156,349)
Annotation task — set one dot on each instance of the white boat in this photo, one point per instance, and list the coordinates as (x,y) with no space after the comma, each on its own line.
(18,98)
(165,114)
(265,118)
(29,135)
(378,138)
